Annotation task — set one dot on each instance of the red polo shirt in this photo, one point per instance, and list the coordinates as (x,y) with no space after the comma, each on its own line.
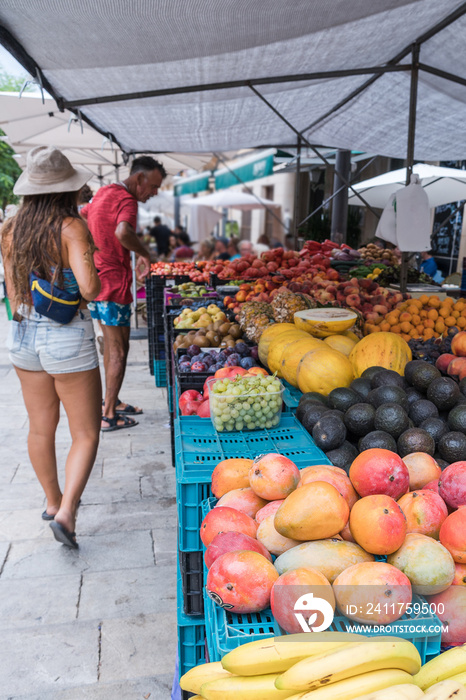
(109,207)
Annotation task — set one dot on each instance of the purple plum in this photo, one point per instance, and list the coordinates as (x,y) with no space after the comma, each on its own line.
(228,351)
(247,363)
(198,367)
(222,356)
(202,356)
(193,350)
(209,361)
(255,352)
(215,367)
(242,349)
(233,360)
(185,366)
(184,358)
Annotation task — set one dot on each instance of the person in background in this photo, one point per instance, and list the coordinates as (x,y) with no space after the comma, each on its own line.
(184,250)
(263,244)
(221,249)
(85,195)
(428,264)
(206,250)
(161,235)
(55,362)
(112,219)
(245,248)
(233,250)
(289,242)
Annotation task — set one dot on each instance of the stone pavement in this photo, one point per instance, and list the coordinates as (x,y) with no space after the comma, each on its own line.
(97,623)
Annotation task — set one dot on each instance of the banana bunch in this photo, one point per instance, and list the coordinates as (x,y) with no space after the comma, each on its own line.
(448,665)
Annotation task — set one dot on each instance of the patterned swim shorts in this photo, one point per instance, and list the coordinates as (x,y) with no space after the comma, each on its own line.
(109,313)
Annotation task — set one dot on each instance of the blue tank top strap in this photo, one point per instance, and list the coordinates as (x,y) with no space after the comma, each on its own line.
(69,280)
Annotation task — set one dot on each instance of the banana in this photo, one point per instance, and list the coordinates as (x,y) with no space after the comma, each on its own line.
(408,691)
(446,690)
(351,660)
(460,677)
(244,688)
(277,654)
(197,676)
(351,688)
(448,664)
(196,697)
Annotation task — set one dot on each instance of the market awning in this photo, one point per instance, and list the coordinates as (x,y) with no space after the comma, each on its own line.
(168,76)
(253,167)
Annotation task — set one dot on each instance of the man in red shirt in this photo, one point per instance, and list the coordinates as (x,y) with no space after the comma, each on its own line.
(111,217)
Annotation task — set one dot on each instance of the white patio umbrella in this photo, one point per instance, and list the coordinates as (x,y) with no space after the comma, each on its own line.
(231,199)
(442,185)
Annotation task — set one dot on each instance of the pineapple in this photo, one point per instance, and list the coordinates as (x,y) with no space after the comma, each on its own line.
(285,304)
(254,317)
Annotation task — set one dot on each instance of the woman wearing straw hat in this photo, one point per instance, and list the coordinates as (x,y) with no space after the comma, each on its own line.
(50,276)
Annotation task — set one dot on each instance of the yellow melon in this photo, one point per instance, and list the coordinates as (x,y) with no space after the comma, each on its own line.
(269,334)
(323,322)
(383,349)
(292,355)
(277,347)
(323,370)
(341,343)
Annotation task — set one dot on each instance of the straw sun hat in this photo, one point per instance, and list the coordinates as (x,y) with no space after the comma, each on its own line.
(48,170)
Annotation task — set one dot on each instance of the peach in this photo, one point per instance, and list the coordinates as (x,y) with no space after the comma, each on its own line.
(443,361)
(270,509)
(450,607)
(460,575)
(379,471)
(362,591)
(340,481)
(422,469)
(456,367)
(381,309)
(226,519)
(458,344)
(452,485)
(232,542)
(273,476)
(230,474)
(272,540)
(453,534)
(378,524)
(353,300)
(424,511)
(257,370)
(244,500)
(241,581)
(289,587)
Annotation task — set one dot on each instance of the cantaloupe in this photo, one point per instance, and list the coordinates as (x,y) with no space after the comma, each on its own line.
(324,369)
(278,345)
(341,343)
(269,334)
(383,349)
(292,355)
(324,322)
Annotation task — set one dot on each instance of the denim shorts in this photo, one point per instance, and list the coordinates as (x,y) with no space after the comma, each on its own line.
(109,313)
(39,344)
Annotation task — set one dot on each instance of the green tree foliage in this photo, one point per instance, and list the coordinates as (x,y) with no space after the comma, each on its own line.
(9,168)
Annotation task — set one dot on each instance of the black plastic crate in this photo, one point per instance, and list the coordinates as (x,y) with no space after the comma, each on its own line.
(192,581)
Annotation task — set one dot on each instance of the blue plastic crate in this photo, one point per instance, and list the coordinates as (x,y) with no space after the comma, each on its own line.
(291,397)
(199,447)
(160,373)
(191,635)
(189,498)
(226,630)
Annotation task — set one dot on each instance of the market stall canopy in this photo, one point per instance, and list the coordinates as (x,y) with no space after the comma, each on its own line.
(171,76)
(442,185)
(229,199)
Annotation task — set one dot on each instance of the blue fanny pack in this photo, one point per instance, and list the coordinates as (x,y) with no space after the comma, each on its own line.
(59,305)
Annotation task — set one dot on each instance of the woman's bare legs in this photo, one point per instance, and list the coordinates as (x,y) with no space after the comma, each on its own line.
(43,407)
(81,395)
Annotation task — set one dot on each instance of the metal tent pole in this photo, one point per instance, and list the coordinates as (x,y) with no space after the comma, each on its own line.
(340,202)
(410,150)
(296,194)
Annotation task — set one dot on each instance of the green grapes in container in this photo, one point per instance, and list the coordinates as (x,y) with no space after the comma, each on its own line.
(245,402)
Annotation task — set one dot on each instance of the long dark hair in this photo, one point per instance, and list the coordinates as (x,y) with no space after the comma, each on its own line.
(33,241)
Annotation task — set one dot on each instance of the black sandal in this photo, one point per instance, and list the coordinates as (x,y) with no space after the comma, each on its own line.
(129,410)
(63,535)
(113,423)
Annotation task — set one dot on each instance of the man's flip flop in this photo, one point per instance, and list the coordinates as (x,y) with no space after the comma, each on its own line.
(63,535)
(113,423)
(129,410)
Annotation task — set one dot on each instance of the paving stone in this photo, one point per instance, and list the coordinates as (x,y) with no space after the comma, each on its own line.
(121,517)
(20,496)
(128,648)
(51,600)
(128,593)
(151,688)
(48,658)
(17,525)
(4,549)
(118,550)
(139,464)
(116,490)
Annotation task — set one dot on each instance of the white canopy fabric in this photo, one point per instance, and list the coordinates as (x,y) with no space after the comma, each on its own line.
(442,185)
(158,75)
(230,199)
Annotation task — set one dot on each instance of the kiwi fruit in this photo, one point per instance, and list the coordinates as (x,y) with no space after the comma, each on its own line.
(235,331)
(217,325)
(224,329)
(201,341)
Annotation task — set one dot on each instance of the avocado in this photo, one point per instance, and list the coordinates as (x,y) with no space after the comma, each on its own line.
(444,393)
(388,377)
(452,447)
(420,410)
(462,386)
(313,412)
(413,395)
(378,438)
(334,412)
(342,398)
(316,397)
(410,368)
(387,394)
(392,419)
(329,432)
(362,386)
(303,405)
(343,456)
(457,419)
(371,371)
(359,419)
(441,462)
(436,427)
(415,440)
(422,376)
